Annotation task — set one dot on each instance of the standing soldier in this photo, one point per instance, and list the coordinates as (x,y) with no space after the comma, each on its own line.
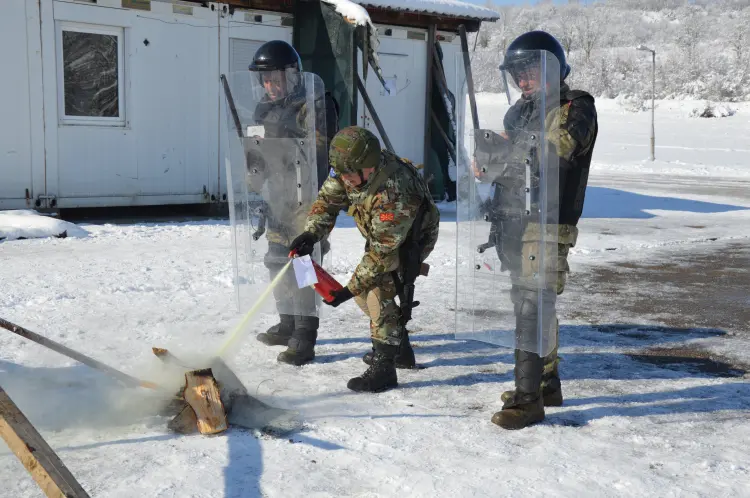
(394,211)
(568,122)
(283,112)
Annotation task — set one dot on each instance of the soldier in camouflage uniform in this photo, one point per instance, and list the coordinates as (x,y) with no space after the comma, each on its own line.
(385,195)
(572,126)
(283,113)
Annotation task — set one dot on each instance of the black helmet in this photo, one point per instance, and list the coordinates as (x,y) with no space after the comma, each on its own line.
(522,48)
(276,55)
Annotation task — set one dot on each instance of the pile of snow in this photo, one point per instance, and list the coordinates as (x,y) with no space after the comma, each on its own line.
(710,110)
(29,224)
(632,103)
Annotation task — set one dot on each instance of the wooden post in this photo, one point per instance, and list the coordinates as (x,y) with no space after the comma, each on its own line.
(35,454)
(428,96)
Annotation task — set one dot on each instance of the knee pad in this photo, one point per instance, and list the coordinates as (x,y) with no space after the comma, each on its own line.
(526,308)
(276,257)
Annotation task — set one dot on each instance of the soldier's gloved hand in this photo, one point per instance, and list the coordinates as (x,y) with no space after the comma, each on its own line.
(339,297)
(304,244)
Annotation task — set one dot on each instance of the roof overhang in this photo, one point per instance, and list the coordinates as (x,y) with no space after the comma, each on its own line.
(446,15)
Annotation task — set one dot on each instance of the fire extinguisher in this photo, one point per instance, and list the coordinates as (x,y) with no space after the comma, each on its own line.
(326,283)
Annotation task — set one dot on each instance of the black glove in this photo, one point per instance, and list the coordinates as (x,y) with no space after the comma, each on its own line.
(339,297)
(304,244)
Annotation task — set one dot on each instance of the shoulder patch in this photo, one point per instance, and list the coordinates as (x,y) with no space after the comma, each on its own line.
(387,217)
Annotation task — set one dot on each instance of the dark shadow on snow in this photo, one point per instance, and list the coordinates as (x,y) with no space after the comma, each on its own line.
(700,399)
(245,468)
(602,202)
(494,363)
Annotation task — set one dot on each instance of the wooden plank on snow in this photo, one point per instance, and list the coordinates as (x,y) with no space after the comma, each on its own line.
(41,461)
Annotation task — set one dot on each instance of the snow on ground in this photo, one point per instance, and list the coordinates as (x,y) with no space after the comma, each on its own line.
(629,427)
(28,224)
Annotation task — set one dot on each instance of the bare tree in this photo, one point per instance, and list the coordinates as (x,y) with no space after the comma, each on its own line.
(567,26)
(589,30)
(740,36)
(689,36)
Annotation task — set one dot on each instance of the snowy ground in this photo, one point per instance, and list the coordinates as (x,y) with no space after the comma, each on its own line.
(671,420)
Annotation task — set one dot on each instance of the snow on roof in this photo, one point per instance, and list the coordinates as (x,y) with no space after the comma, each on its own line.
(358,15)
(353,12)
(453,8)
(29,224)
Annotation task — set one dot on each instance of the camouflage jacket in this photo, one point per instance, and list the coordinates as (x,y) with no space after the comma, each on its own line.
(288,119)
(384,218)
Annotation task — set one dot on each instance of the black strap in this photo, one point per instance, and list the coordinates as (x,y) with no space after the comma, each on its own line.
(382,176)
(410,254)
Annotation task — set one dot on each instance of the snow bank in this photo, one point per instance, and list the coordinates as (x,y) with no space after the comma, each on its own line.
(28,224)
(711,110)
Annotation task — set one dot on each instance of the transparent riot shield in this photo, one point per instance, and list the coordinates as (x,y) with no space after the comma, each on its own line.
(272,162)
(508,200)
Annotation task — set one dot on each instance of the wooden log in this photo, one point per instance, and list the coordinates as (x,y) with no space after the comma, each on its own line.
(185,422)
(49,472)
(203,395)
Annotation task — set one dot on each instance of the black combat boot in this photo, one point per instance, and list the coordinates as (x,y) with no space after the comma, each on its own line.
(551,386)
(382,373)
(279,334)
(526,406)
(301,346)
(404,357)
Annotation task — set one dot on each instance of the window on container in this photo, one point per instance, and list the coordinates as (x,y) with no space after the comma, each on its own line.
(91,65)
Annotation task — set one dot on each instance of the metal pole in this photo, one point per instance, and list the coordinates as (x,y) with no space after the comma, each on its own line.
(653,106)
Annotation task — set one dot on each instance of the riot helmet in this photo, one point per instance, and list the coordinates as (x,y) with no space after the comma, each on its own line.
(279,69)
(525,60)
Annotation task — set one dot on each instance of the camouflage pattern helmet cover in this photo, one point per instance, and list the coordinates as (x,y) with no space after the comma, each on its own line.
(354,149)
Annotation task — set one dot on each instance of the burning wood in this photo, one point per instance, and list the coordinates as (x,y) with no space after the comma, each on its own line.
(214,399)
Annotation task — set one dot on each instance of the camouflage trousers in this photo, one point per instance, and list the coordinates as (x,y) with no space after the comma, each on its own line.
(380,306)
(525,293)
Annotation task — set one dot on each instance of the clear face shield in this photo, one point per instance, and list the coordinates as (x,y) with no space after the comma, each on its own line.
(276,84)
(525,72)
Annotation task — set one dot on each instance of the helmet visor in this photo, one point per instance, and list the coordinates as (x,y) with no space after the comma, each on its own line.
(276,84)
(528,72)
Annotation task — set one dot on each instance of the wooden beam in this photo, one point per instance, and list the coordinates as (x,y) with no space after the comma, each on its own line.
(49,472)
(124,378)
(448,144)
(374,114)
(428,95)
(285,6)
(469,78)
